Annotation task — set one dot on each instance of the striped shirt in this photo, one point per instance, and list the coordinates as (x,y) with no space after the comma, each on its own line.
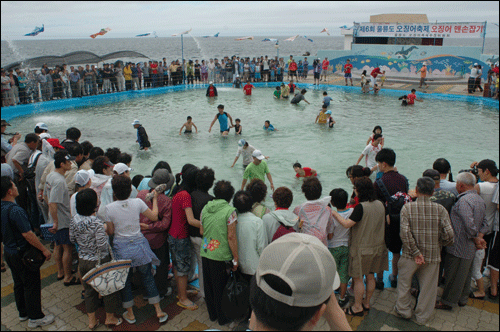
(88,232)
(425,227)
(468,220)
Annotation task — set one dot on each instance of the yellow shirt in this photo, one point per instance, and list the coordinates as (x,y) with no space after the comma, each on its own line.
(127,73)
(323,117)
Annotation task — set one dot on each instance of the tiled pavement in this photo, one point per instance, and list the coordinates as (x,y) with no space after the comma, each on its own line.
(66,304)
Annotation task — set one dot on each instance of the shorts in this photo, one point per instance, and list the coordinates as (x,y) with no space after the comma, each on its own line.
(493,255)
(392,238)
(257,75)
(223,131)
(341,256)
(293,73)
(188,131)
(347,75)
(180,253)
(62,237)
(316,75)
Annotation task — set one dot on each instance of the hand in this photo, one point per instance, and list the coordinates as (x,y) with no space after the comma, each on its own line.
(419,260)
(272,187)
(47,254)
(155,194)
(474,164)
(232,165)
(235,266)
(144,227)
(53,230)
(480,243)
(145,149)
(209,129)
(40,196)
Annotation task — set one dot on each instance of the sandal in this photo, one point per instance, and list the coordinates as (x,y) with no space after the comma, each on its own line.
(61,278)
(348,311)
(490,295)
(190,292)
(74,281)
(191,307)
(441,305)
(118,322)
(163,318)
(130,321)
(365,308)
(95,326)
(472,296)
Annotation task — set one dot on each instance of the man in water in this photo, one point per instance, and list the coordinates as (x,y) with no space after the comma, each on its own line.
(142,136)
(247,89)
(257,169)
(298,97)
(222,117)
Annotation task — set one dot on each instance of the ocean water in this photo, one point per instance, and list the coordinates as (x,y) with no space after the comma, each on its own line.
(194,47)
(419,134)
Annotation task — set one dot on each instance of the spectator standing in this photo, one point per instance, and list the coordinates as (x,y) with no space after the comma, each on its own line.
(281,217)
(16,238)
(468,221)
(425,228)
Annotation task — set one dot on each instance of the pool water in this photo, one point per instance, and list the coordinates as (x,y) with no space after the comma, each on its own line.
(458,131)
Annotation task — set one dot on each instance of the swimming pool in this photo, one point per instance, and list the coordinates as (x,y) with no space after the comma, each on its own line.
(459,131)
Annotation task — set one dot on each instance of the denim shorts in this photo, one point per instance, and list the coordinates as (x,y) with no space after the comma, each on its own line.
(62,237)
(180,253)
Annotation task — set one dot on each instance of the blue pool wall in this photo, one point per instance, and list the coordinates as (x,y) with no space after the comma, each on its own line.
(12,112)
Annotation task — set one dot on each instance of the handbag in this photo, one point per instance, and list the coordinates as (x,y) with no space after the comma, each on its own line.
(109,277)
(235,300)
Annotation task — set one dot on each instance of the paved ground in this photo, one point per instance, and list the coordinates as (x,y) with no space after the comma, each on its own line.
(66,304)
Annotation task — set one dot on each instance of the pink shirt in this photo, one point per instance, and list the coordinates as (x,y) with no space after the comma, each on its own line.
(179,228)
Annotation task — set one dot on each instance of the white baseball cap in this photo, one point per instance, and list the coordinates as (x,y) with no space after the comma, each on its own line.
(121,168)
(42,125)
(257,154)
(288,258)
(476,64)
(136,122)
(210,82)
(241,142)
(82,177)
(44,135)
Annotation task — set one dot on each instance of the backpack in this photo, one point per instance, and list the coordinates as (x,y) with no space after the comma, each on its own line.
(393,206)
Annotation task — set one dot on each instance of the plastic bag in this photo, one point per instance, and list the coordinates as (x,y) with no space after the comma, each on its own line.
(235,297)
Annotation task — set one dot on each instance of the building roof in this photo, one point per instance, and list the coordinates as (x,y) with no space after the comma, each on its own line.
(399,18)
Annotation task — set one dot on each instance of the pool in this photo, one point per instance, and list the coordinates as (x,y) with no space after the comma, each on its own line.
(459,131)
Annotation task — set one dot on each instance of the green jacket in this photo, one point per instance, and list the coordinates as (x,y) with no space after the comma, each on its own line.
(214,217)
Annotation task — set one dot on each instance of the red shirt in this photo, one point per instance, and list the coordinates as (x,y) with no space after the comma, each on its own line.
(325,64)
(248,89)
(347,68)
(307,170)
(282,230)
(375,72)
(154,67)
(211,91)
(411,98)
(179,228)
(292,87)
(293,66)
(496,70)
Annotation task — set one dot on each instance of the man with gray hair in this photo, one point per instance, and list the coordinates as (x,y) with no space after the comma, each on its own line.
(425,227)
(468,221)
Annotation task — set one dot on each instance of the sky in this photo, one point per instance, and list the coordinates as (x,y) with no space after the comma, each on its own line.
(79,19)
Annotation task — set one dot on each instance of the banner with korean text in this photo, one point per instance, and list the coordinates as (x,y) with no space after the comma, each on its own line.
(422,30)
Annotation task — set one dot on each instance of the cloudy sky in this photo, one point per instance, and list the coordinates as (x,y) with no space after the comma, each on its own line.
(128,18)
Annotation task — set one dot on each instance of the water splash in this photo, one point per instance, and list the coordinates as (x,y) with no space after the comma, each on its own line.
(14,49)
(204,56)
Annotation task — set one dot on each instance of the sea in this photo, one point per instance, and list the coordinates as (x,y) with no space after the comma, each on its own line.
(194,47)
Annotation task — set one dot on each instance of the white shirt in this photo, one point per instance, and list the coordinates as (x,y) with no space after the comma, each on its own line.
(125,216)
(247,154)
(473,72)
(370,152)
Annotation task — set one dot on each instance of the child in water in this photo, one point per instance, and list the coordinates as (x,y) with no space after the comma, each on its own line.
(404,100)
(277,93)
(376,130)
(268,126)
(322,116)
(189,126)
(237,127)
(331,121)
(326,99)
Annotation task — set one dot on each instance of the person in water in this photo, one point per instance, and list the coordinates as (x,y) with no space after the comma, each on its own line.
(189,126)
(298,97)
(303,172)
(222,117)
(237,127)
(142,136)
(268,126)
(211,90)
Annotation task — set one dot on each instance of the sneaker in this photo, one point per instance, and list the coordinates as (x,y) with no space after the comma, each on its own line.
(379,284)
(34,323)
(393,280)
(23,319)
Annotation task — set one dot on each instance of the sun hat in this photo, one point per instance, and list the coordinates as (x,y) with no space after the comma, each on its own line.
(433,174)
(82,177)
(136,122)
(287,258)
(42,125)
(241,142)
(161,176)
(121,168)
(55,143)
(257,154)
